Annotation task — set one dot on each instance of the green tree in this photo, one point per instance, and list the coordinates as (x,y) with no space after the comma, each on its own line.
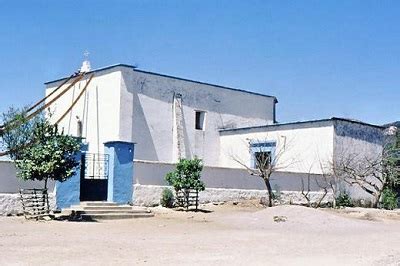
(40,151)
(50,155)
(186,175)
(16,131)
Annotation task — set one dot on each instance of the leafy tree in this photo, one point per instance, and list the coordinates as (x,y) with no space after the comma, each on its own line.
(49,155)
(186,175)
(38,149)
(17,131)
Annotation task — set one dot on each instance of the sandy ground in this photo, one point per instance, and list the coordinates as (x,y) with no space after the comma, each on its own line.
(225,235)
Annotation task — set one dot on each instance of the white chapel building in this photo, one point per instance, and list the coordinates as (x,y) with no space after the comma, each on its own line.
(168,118)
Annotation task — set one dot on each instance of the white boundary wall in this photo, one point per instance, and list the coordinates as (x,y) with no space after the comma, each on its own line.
(10,203)
(222,184)
(153,173)
(10,185)
(149,195)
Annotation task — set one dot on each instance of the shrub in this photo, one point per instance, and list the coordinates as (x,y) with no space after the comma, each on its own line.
(186,178)
(186,175)
(389,199)
(364,203)
(167,198)
(343,200)
(276,194)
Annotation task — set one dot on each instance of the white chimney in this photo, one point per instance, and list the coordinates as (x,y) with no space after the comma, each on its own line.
(85,64)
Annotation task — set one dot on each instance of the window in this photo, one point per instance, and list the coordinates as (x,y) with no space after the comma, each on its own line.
(79,129)
(200,118)
(262,159)
(262,153)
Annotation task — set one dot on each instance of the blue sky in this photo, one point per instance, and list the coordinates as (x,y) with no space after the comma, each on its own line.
(319,58)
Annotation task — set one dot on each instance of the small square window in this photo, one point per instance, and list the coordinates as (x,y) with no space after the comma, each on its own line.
(262,159)
(262,153)
(200,120)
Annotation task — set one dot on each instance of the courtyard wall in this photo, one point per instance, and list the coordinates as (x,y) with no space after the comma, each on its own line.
(10,185)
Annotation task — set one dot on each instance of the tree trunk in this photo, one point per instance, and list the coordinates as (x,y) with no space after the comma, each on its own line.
(46,195)
(270,196)
(334,192)
(377,198)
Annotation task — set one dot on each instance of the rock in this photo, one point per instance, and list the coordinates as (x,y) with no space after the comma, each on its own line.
(279,219)
(264,201)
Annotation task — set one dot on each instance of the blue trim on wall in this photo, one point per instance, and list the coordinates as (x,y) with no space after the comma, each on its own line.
(120,179)
(255,144)
(68,192)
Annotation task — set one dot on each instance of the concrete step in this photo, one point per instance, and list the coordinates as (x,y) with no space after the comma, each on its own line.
(98,203)
(114,216)
(105,208)
(114,211)
(104,211)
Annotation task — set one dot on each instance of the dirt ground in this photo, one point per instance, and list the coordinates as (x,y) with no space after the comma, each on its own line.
(228,234)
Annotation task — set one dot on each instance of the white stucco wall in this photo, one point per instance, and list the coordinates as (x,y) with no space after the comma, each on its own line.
(10,183)
(126,104)
(147,116)
(361,142)
(302,146)
(356,138)
(98,108)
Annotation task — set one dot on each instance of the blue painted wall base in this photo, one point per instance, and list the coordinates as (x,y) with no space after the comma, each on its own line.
(68,192)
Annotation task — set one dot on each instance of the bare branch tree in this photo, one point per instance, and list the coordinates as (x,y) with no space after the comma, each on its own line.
(306,194)
(266,163)
(363,171)
(324,185)
(330,180)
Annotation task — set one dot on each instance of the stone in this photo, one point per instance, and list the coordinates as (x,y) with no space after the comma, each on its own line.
(149,195)
(10,204)
(279,219)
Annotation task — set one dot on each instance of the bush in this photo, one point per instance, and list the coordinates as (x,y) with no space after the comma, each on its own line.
(343,200)
(167,198)
(186,178)
(389,199)
(276,194)
(186,175)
